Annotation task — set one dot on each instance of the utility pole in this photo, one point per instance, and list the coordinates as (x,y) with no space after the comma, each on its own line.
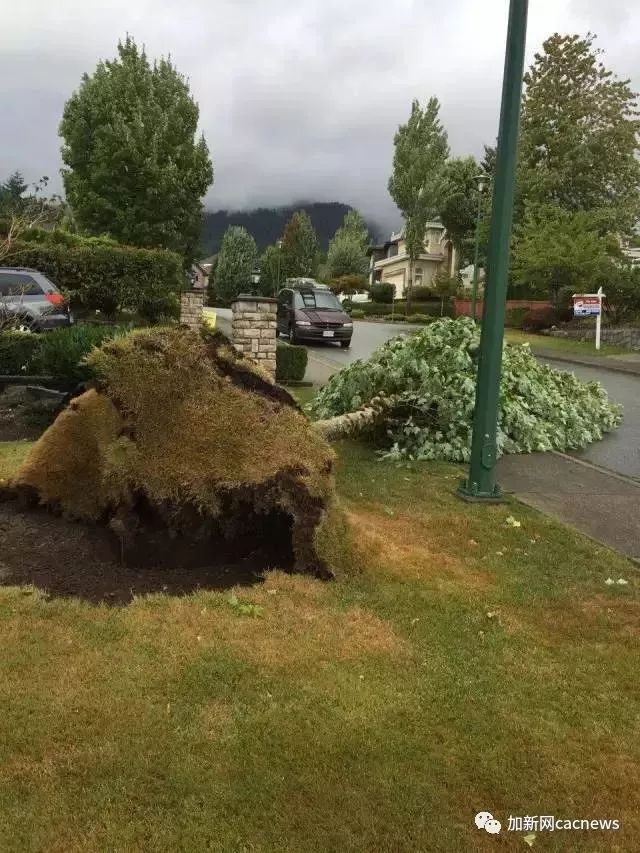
(481,482)
(481,179)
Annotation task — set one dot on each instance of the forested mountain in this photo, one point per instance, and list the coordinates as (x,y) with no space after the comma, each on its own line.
(267,224)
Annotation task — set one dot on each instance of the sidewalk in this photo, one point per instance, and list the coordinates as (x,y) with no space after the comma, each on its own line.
(603,505)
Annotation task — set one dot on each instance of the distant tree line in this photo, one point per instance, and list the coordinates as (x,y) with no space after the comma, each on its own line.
(578,188)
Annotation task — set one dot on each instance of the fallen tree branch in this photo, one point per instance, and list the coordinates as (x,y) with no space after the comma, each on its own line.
(352,423)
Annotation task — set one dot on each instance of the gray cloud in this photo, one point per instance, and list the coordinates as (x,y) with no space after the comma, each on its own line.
(298,101)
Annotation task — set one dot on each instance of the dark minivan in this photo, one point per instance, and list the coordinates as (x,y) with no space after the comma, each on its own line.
(30,301)
(308,311)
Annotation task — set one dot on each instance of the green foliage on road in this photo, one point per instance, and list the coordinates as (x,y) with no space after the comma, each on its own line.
(134,168)
(428,382)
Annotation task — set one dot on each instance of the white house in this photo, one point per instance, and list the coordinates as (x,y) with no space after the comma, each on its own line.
(389,262)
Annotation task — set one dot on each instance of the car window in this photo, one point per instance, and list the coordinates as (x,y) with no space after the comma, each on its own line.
(317,299)
(18,284)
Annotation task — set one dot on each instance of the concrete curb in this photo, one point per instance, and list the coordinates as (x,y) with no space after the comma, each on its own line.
(602,362)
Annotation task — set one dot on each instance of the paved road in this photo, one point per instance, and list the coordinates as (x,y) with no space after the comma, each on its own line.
(618,451)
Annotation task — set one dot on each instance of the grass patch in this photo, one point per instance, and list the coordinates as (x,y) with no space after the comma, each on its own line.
(562,345)
(11,455)
(465,664)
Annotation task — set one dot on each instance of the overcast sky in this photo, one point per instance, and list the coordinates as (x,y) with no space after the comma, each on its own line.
(298,101)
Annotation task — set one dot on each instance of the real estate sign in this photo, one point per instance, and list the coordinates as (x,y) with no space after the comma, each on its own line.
(587,305)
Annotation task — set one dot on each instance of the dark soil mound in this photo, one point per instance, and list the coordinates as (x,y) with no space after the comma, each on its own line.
(66,559)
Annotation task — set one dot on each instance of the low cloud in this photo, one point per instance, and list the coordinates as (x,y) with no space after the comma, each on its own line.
(296,101)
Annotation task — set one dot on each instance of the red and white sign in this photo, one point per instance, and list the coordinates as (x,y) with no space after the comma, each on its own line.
(587,305)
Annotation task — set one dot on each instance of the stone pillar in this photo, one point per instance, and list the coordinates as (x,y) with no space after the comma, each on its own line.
(191,304)
(253,329)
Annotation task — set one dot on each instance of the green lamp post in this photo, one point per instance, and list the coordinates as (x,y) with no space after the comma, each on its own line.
(480,484)
(481,181)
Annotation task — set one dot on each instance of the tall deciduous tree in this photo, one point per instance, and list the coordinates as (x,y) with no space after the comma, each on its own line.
(300,249)
(556,248)
(416,184)
(236,262)
(270,271)
(579,134)
(134,168)
(346,255)
(460,204)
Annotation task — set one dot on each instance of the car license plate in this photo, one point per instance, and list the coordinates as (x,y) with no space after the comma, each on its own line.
(328,333)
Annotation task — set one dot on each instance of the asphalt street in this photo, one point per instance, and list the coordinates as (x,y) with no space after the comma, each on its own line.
(618,451)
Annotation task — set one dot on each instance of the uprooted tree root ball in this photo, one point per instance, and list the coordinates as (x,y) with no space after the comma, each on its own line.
(184,448)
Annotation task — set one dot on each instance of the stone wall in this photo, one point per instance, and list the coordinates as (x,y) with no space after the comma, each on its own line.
(253,329)
(616,336)
(191,304)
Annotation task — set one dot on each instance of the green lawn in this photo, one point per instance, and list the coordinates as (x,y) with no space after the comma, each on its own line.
(11,455)
(562,345)
(467,664)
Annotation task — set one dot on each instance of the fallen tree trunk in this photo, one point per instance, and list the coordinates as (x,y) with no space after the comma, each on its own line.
(351,423)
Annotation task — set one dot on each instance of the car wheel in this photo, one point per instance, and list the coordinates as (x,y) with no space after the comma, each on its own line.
(345,344)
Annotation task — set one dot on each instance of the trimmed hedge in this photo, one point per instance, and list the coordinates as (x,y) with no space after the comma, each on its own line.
(540,318)
(17,350)
(291,362)
(382,292)
(423,294)
(98,274)
(420,318)
(57,353)
(378,309)
(395,318)
(514,317)
(357,313)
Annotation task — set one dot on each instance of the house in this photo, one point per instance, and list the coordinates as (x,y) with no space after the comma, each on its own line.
(389,262)
(199,276)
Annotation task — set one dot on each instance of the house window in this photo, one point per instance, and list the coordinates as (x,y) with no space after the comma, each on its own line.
(418,281)
(393,251)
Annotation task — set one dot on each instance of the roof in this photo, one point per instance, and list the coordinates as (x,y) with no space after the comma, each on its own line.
(396,236)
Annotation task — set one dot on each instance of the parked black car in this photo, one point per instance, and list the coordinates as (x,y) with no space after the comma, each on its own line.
(30,301)
(308,311)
